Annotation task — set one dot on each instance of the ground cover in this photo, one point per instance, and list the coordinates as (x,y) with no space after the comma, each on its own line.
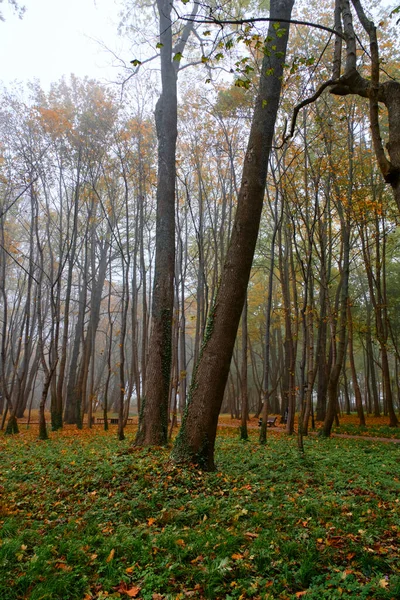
(84,516)
(376,427)
(348,425)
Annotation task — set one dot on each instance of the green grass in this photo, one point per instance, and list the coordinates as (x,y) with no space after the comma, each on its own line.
(84,516)
(372,430)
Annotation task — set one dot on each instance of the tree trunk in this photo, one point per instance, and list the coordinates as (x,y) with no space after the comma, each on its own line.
(196,439)
(153,418)
(244,387)
(371,369)
(333,383)
(356,387)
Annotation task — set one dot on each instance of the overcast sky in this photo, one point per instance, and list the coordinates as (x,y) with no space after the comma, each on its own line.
(56,37)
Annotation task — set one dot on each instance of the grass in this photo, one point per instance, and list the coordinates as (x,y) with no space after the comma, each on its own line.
(376,427)
(84,516)
(349,425)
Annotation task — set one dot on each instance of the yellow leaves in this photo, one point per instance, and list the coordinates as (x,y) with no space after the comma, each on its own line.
(383,583)
(151,521)
(110,556)
(242,513)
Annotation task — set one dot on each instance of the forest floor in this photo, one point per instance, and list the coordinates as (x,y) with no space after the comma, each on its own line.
(377,428)
(84,516)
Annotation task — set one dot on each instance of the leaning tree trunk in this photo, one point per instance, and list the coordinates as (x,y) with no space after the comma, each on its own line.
(196,440)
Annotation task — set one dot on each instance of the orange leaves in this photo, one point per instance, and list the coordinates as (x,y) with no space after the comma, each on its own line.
(54,121)
(62,566)
(251,535)
(133,592)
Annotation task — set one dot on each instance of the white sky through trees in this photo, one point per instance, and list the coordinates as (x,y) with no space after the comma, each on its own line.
(58,37)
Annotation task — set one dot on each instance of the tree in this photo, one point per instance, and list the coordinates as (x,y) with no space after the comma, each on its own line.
(352,82)
(153,419)
(196,439)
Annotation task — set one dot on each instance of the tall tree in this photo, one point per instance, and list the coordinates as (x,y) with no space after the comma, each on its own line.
(196,439)
(153,419)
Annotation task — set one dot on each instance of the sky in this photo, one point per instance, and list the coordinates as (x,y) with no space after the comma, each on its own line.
(59,37)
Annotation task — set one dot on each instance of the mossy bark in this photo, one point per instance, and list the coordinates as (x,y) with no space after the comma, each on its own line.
(12,425)
(153,418)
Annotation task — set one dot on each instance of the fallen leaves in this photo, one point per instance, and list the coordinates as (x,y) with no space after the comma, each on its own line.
(133,592)
(110,556)
(155,535)
(251,535)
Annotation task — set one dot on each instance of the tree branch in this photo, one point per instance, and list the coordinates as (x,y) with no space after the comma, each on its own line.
(304,103)
(222,22)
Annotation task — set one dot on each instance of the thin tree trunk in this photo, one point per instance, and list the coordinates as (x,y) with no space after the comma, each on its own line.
(356,387)
(244,387)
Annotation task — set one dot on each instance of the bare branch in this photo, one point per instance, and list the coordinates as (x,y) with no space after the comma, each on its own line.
(17,198)
(304,103)
(222,22)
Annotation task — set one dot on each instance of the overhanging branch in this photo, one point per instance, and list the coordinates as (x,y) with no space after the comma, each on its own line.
(304,103)
(222,22)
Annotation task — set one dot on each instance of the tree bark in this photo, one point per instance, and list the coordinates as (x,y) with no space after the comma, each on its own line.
(153,418)
(356,387)
(196,439)
(244,383)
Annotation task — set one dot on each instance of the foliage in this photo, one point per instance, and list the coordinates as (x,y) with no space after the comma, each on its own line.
(85,516)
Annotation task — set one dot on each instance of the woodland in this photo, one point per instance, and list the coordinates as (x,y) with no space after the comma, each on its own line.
(131,247)
(215,235)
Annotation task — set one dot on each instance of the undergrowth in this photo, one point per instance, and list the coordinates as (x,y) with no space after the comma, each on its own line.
(85,516)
